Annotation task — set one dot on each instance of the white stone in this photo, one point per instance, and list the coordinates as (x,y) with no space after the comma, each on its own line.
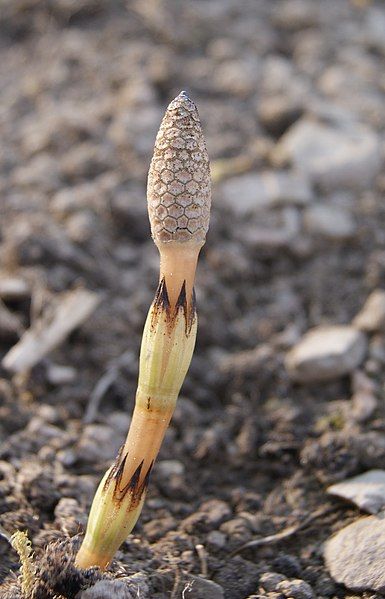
(13,287)
(246,194)
(329,221)
(332,157)
(325,353)
(60,375)
(367,490)
(355,555)
(372,316)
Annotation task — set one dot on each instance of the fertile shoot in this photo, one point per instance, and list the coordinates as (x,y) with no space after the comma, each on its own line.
(179,198)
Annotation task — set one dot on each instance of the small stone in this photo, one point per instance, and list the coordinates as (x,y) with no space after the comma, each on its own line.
(367,490)
(270,581)
(329,221)
(249,193)
(201,588)
(13,288)
(60,375)
(372,316)
(210,515)
(295,589)
(167,468)
(216,539)
(156,528)
(238,529)
(10,323)
(277,113)
(135,129)
(125,588)
(98,443)
(333,157)
(375,27)
(363,406)
(81,226)
(69,516)
(355,555)
(326,353)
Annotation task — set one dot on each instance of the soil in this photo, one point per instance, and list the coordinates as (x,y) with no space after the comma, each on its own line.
(249,453)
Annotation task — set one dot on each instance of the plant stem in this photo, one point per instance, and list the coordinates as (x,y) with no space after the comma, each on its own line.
(179,203)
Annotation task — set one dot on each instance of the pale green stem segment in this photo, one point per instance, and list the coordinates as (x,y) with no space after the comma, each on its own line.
(166,351)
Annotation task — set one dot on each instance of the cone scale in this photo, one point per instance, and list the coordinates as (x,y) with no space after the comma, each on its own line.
(179,197)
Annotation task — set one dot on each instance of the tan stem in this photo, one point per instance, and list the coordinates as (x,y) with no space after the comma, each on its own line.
(178,263)
(147,430)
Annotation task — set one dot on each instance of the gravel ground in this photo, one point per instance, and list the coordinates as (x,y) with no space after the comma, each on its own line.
(285,394)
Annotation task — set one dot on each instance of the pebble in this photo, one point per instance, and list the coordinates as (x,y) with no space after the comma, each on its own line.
(355,555)
(126,588)
(363,405)
(367,490)
(295,589)
(216,539)
(270,581)
(167,468)
(10,323)
(210,515)
(201,588)
(136,129)
(375,27)
(98,443)
(249,193)
(69,516)
(237,77)
(238,529)
(347,156)
(277,113)
(372,316)
(13,288)
(60,375)
(329,221)
(326,353)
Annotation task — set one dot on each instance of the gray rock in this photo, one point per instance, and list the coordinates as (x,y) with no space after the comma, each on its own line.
(364,404)
(200,588)
(252,192)
(372,316)
(270,581)
(167,468)
(69,516)
(375,27)
(355,555)
(238,77)
(126,588)
(136,129)
(277,113)
(60,375)
(216,539)
(296,589)
(367,490)
(346,156)
(326,353)
(329,221)
(211,513)
(98,443)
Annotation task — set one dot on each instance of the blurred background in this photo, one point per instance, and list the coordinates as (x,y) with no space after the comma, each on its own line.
(291,97)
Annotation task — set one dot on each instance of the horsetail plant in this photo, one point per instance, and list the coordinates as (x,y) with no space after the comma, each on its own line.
(179,198)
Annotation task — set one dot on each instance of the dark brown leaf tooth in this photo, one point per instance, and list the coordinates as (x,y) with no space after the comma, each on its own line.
(179,187)
(162,305)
